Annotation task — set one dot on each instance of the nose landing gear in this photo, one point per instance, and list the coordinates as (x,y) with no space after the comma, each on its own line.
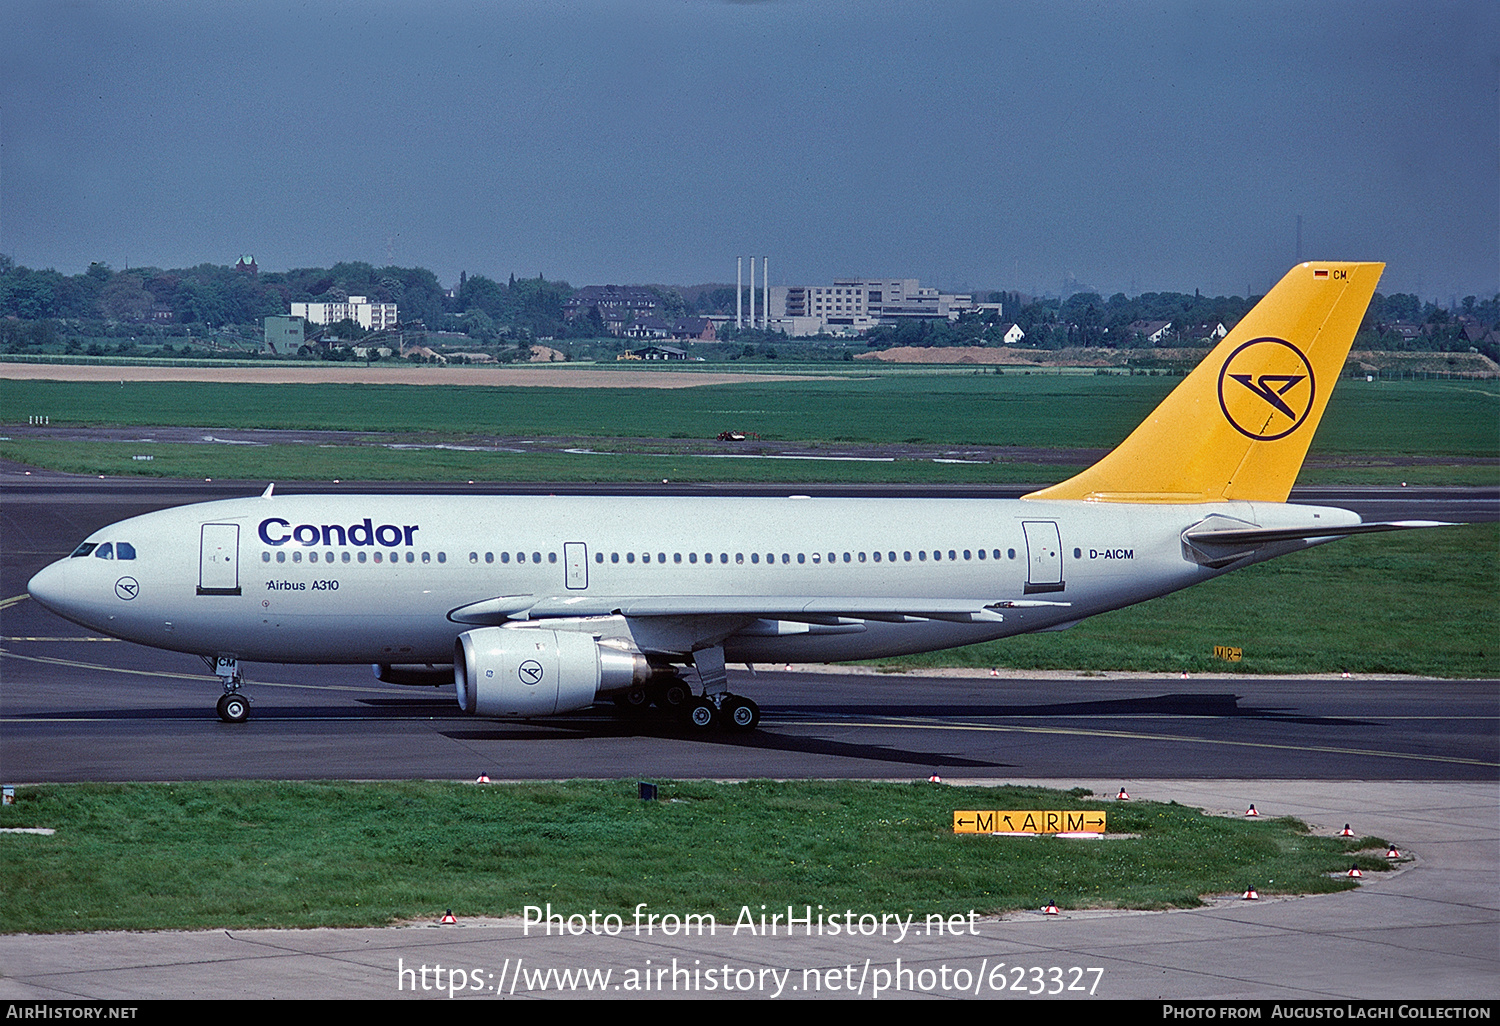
(233,707)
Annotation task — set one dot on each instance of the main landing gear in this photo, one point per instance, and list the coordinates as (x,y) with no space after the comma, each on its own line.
(233,707)
(672,695)
(734,712)
(717,705)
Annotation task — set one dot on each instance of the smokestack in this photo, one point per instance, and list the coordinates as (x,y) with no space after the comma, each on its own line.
(739,288)
(765,283)
(752,292)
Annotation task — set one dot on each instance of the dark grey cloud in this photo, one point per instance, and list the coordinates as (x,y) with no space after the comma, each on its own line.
(1129,146)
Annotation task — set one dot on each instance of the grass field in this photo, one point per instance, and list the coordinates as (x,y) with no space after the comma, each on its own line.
(254,854)
(1072,411)
(1422,432)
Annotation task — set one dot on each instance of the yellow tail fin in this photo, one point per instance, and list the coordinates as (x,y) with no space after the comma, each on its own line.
(1239,425)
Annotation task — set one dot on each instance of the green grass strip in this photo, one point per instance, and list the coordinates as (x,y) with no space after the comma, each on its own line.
(1068,411)
(277,854)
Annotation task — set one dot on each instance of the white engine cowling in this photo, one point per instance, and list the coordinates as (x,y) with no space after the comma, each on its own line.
(502,671)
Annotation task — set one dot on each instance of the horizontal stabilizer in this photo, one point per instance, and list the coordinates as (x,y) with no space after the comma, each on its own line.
(1257,535)
(1218,547)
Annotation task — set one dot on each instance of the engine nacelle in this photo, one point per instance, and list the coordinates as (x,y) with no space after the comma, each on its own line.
(506,671)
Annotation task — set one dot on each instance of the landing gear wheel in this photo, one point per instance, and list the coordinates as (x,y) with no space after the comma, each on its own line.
(740,713)
(702,715)
(633,703)
(671,694)
(233,708)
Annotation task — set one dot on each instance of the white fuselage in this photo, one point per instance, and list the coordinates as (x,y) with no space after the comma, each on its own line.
(374,579)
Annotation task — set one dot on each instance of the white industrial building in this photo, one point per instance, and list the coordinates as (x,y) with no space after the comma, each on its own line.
(368,315)
(854,305)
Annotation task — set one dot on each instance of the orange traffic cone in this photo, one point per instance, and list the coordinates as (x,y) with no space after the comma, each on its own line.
(448,919)
(1051,909)
(1392,853)
(934,779)
(1250,895)
(1251,810)
(1354,872)
(1122,796)
(483,778)
(1346,832)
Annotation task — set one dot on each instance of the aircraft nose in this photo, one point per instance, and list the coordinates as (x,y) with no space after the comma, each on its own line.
(49,587)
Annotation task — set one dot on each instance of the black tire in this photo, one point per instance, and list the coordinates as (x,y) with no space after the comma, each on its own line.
(633,703)
(233,708)
(701,715)
(740,714)
(671,694)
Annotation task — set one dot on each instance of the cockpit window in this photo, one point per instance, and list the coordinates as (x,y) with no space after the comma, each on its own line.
(124,550)
(105,551)
(83,550)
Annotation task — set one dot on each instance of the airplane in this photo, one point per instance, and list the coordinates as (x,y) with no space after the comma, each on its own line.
(536,606)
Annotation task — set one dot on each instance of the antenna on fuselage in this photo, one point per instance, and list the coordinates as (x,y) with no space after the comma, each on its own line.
(269,488)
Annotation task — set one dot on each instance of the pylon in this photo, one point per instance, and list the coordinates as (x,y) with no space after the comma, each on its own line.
(1122,796)
(1392,853)
(1250,895)
(448,919)
(1051,909)
(1346,832)
(1354,872)
(483,778)
(1251,810)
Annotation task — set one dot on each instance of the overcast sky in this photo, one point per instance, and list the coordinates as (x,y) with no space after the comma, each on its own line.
(1132,146)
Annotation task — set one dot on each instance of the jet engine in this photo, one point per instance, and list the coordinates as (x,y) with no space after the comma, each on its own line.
(507,671)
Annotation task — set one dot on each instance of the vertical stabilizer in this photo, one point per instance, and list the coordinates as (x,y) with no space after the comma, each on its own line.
(1239,425)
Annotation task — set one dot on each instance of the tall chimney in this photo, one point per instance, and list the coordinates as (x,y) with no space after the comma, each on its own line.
(765,283)
(739,288)
(752,292)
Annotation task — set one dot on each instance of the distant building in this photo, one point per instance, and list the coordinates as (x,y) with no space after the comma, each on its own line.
(619,306)
(368,315)
(1152,331)
(654,353)
(647,327)
(246,265)
(285,334)
(859,304)
(1209,331)
(698,329)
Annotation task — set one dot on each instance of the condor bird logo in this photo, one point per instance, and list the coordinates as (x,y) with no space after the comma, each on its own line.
(1266,389)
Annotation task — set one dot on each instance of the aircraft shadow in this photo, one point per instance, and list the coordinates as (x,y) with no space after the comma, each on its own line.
(1225,706)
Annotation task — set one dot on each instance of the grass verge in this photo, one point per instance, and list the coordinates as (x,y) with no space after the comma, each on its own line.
(276,854)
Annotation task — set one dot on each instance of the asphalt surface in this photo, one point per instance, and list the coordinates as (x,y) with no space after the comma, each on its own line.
(1414,761)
